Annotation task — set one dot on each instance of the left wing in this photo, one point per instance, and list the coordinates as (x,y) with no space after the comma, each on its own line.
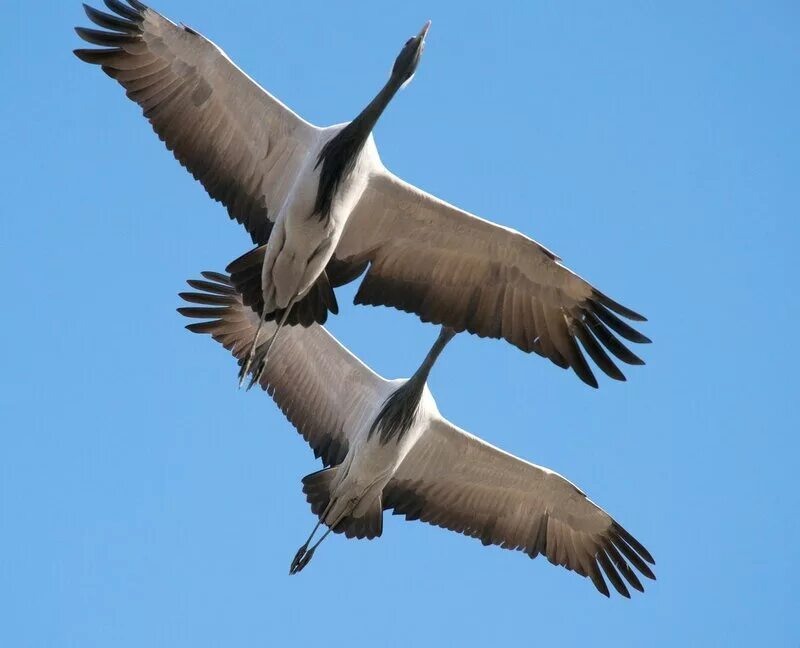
(450,267)
(240,142)
(455,480)
(322,388)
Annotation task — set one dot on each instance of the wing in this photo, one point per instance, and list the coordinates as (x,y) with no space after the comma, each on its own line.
(454,480)
(320,386)
(450,267)
(241,143)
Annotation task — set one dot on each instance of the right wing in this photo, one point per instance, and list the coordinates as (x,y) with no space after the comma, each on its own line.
(241,143)
(450,267)
(455,480)
(322,388)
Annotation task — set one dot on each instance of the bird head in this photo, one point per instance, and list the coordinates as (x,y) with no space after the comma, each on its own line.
(406,62)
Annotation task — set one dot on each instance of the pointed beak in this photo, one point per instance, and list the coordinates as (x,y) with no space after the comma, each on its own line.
(424,31)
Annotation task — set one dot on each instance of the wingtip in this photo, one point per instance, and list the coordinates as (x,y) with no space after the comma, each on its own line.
(591,382)
(617,307)
(216,277)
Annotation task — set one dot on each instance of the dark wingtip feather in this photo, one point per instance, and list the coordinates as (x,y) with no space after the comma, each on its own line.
(623,567)
(209,298)
(123,10)
(595,351)
(634,558)
(94,57)
(217,276)
(633,542)
(597,579)
(203,327)
(616,324)
(617,307)
(110,21)
(611,343)
(613,576)
(201,312)
(211,287)
(105,38)
(579,364)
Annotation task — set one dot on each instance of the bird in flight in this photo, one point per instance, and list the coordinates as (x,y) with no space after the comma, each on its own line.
(385,445)
(323,209)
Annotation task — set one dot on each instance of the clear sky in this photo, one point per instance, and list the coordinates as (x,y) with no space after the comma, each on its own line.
(144,501)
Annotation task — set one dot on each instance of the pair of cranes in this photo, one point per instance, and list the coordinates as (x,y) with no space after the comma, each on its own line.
(323,211)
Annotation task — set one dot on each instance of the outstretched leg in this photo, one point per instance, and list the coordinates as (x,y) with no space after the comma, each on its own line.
(246,366)
(262,364)
(304,554)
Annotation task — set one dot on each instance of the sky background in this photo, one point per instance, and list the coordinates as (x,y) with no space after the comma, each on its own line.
(145,501)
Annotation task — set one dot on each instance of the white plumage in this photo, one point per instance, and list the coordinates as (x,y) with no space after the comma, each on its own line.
(324,207)
(434,472)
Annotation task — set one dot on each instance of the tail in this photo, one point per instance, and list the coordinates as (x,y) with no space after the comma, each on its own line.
(368,523)
(313,307)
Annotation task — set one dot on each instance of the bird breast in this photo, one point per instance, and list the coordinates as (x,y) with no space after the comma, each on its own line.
(304,232)
(374,463)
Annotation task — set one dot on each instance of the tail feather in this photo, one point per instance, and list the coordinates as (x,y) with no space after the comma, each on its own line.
(317,489)
(369,525)
(314,307)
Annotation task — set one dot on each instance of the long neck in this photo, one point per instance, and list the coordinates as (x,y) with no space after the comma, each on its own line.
(421,375)
(338,156)
(363,124)
(400,409)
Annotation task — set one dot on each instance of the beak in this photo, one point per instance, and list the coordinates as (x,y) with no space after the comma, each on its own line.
(424,31)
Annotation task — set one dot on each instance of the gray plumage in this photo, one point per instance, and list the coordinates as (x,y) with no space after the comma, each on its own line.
(430,471)
(320,201)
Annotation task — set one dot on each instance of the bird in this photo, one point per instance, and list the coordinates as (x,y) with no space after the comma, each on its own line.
(323,210)
(384,445)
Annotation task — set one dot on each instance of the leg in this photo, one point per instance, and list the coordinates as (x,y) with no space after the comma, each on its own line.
(262,365)
(246,366)
(304,554)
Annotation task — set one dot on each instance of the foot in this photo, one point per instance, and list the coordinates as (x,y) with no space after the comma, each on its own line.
(243,373)
(257,372)
(301,559)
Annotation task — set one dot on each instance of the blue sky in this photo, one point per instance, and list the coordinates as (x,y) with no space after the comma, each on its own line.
(654,146)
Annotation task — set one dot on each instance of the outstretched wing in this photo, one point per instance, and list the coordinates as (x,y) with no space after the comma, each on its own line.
(450,267)
(454,480)
(241,143)
(322,388)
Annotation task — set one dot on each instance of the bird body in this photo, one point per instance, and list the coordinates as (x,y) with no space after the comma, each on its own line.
(301,246)
(385,445)
(324,210)
(371,463)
